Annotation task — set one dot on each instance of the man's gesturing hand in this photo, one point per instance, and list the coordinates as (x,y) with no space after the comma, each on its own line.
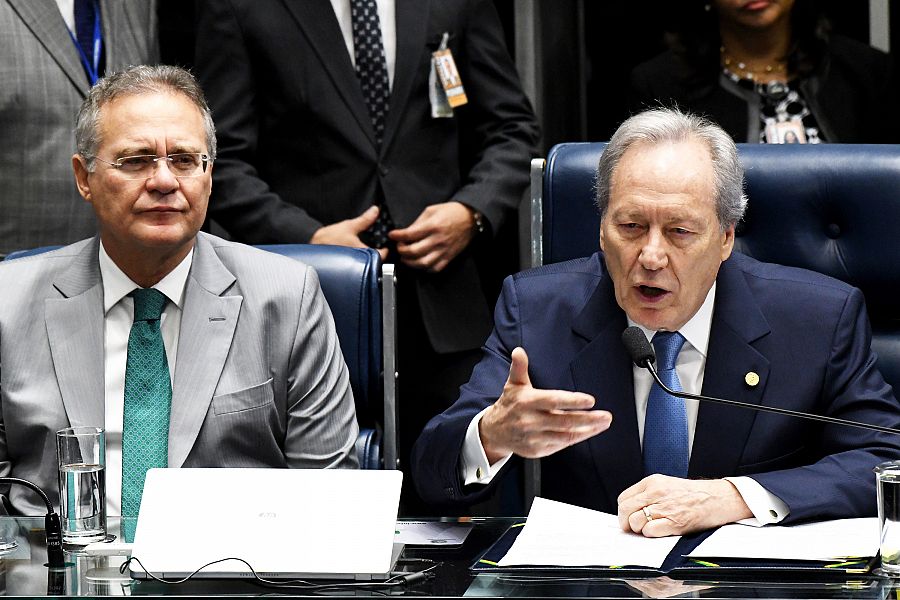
(534,423)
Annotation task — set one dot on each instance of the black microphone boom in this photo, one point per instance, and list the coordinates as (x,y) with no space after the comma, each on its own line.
(52,525)
(639,348)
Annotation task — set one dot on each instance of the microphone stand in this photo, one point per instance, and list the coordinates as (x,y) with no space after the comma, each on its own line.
(771,409)
(52,525)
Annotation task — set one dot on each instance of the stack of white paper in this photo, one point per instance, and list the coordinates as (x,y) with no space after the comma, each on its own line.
(824,541)
(564,535)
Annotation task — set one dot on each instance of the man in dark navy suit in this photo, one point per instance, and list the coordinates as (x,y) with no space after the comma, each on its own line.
(332,135)
(555,381)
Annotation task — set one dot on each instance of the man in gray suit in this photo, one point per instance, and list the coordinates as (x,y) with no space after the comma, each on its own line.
(43,83)
(257,376)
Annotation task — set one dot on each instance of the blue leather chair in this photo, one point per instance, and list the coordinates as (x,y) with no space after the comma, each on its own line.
(360,291)
(832,208)
(353,284)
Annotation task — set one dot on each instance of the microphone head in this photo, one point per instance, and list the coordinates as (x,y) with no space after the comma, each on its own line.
(638,347)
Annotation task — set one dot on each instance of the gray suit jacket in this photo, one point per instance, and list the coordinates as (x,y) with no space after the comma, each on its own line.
(259,381)
(43,84)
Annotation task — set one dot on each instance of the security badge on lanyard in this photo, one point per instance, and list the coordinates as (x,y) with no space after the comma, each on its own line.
(445,85)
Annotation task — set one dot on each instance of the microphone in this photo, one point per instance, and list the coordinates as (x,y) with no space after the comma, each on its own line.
(641,352)
(52,525)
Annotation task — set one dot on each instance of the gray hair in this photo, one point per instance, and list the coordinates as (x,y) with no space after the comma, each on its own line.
(136,81)
(671,125)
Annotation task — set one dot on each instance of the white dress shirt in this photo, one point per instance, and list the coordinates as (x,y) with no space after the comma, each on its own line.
(118,309)
(690,366)
(386,18)
(67,10)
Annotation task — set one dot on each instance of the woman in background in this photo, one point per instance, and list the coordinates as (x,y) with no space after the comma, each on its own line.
(763,67)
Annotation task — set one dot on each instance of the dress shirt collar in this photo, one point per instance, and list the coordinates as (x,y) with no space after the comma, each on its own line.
(117,285)
(696,330)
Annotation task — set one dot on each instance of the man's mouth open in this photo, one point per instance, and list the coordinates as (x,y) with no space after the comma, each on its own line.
(650,292)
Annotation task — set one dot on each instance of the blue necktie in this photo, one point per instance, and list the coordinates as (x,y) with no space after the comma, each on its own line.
(665,426)
(84,26)
(148,400)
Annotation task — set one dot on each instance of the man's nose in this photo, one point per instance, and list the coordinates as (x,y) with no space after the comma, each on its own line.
(162,180)
(654,255)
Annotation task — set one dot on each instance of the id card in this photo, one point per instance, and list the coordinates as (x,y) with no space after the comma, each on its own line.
(446,91)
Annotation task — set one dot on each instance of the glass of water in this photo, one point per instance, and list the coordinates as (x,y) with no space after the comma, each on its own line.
(9,530)
(82,484)
(887,476)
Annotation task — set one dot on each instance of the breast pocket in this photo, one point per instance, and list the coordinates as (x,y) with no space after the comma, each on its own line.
(250,398)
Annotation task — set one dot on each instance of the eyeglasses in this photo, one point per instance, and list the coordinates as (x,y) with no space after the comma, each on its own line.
(182,164)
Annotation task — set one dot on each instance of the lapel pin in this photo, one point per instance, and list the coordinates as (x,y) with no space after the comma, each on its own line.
(751,379)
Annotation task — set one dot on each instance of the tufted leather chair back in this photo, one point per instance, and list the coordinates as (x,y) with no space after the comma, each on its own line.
(832,208)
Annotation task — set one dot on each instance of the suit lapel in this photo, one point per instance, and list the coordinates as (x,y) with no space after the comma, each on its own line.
(317,21)
(603,370)
(118,32)
(722,431)
(75,330)
(412,21)
(207,328)
(42,17)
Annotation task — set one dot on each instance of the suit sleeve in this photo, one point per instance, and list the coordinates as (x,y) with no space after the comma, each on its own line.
(241,201)
(498,130)
(841,484)
(321,427)
(436,454)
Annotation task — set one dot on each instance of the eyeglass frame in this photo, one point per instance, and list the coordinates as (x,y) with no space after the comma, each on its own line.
(205,160)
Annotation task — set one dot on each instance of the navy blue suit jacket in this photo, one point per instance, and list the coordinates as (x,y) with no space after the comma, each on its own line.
(807,336)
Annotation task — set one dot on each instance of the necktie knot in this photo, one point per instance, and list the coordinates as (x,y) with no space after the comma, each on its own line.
(148,304)
(667,345)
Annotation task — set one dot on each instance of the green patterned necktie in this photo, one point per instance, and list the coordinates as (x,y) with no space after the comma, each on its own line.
(148,398)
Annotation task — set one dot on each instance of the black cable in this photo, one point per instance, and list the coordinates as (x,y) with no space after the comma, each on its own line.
(397,580)
(33,486)
(52,526)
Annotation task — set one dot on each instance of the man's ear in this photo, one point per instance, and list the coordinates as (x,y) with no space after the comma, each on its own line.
(79,165)
(727,242)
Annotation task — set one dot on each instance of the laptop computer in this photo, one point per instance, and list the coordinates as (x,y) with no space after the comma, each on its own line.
(286,523)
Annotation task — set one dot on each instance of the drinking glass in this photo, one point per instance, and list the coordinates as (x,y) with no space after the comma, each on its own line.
(82,484)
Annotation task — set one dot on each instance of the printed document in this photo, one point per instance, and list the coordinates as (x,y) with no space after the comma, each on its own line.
(560,534)
(825,541)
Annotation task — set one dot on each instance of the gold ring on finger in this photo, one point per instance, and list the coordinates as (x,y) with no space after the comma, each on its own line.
(647,513)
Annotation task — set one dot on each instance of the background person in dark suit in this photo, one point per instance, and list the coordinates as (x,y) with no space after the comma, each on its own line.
(303,156)
(43,84)
(747,64)
(670,194)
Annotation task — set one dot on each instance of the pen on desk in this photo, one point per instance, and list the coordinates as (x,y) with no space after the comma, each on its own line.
(845,564)
(705,563)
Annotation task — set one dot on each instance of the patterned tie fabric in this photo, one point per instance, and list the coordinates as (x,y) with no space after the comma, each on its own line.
(371,66)
(371,70)
(148,398)
(665,426)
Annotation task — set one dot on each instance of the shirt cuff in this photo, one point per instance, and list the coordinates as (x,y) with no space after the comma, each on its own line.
(473,463)
(767,508)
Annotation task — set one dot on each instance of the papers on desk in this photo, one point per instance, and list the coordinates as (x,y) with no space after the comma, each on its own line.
(431,533)
(823,541)
(565,535)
